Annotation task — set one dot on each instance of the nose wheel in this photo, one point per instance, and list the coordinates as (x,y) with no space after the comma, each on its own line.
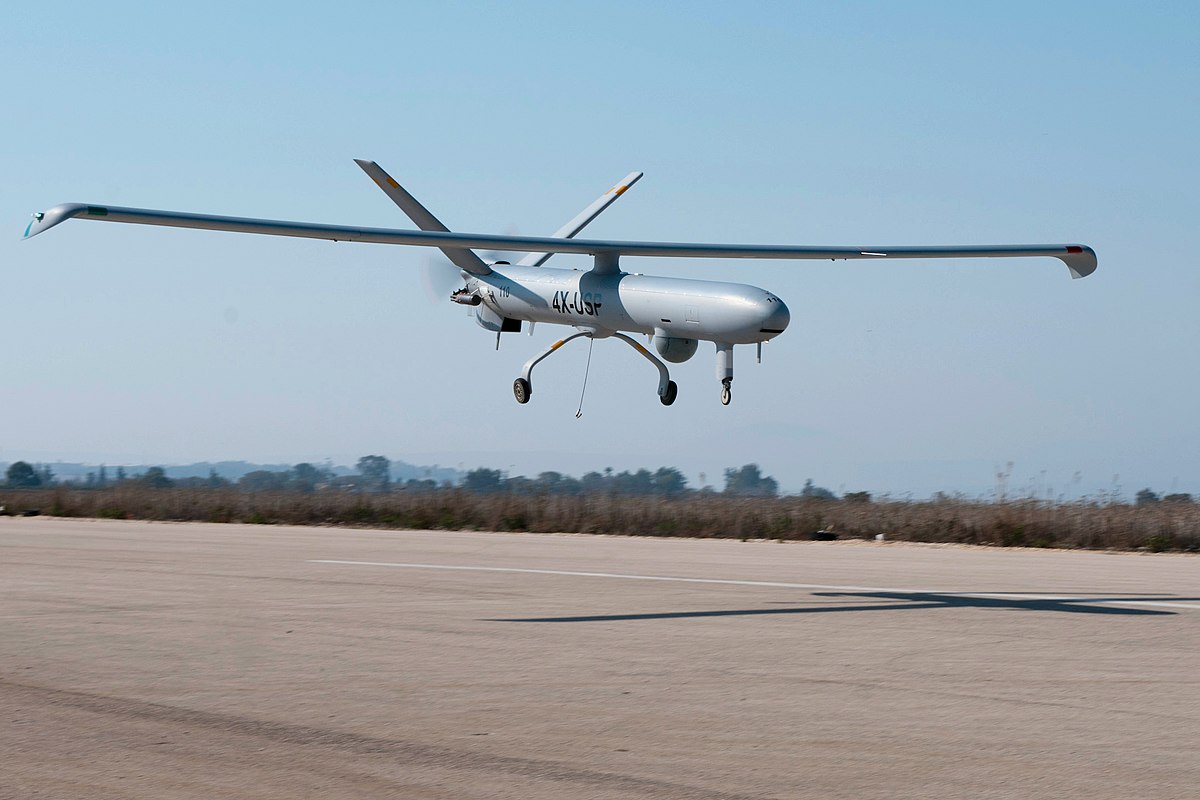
(668,397)
(725,371)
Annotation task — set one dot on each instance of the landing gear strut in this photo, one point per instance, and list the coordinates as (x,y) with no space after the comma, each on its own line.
(668,390)
(725,371)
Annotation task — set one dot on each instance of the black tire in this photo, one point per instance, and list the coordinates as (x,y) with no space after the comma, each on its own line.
(672,392)
(726,395)
(522,390)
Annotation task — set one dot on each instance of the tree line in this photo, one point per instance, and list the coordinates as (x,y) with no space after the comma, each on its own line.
(373,475)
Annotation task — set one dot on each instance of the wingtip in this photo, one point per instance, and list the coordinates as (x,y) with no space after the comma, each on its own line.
(45,220)
(1080,260)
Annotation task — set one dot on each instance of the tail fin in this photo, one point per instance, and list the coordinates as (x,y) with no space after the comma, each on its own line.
(461,257)
(581,220)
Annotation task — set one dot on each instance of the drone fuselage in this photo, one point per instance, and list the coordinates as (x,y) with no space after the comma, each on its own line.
(731,313)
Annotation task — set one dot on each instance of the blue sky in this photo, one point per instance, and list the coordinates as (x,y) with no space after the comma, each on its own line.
(920,123)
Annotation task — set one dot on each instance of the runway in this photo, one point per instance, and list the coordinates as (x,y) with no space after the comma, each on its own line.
(159,660)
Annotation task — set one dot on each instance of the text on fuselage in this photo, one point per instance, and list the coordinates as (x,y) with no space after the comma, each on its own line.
(585,303)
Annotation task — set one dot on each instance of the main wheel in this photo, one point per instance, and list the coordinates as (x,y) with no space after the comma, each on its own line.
(522,390)
(726,394)
(672,393)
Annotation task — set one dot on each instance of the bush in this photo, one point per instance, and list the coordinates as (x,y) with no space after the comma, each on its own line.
(1156,526)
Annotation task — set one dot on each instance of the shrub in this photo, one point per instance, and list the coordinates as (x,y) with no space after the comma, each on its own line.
(1155,526)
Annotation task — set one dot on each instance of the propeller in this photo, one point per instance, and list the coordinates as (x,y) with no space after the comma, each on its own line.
(439,278)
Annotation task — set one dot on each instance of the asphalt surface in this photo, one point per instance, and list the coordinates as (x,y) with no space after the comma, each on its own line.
(146,660)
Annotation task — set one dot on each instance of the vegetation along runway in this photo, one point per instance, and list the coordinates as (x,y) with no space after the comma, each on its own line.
(160,660)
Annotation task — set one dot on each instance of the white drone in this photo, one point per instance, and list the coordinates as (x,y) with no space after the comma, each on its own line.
(601,302)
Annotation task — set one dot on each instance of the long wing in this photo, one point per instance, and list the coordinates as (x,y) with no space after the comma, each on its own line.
(581,219)
(1080,259)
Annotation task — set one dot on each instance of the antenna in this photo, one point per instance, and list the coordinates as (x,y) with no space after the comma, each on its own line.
(586,370)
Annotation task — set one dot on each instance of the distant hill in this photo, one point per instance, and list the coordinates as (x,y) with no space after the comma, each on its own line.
(232,470)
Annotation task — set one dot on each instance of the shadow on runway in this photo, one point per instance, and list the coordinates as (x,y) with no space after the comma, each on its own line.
(904,601)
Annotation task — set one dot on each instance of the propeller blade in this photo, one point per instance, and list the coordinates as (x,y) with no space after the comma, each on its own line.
(439,278)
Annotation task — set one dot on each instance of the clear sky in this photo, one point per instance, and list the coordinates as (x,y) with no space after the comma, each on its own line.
(837,123)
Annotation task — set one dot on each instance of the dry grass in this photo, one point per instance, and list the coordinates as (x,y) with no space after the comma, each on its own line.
(1157,527)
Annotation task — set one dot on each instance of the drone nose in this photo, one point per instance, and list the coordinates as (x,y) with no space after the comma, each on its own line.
(776,318)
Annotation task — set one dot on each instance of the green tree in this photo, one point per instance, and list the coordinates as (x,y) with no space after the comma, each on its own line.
(45,474)
(749,481)
(669,481)
(263,480)
(556,483)
(155,478)
(21,475)
(1145,497)
(633,483)
(305,478)
(594,483)
(549,481)
(816,492)
(484,481)
(376,472)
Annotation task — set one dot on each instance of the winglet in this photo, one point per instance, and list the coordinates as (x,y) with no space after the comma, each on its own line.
(1080,259)
(45,220)
(461,257)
